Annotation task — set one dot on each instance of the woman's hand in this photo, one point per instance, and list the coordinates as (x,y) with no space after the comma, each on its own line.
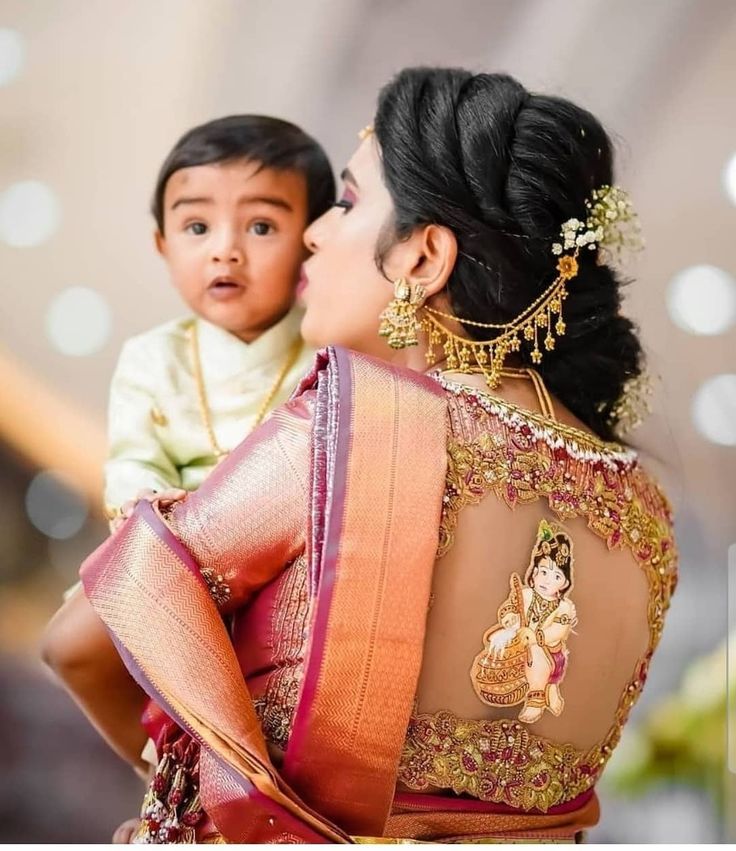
(164,498)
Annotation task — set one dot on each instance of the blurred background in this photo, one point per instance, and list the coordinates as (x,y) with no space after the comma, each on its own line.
(93,93)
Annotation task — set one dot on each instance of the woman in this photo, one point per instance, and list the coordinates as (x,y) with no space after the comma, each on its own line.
(358,544)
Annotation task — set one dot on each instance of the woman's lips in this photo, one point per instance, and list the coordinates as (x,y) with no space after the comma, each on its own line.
(302,283)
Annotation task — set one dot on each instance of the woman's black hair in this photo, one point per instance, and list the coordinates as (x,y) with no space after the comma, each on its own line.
(273,143)
(504,168)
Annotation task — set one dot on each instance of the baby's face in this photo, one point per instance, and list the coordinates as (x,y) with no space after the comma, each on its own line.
(233,242)
(549,580)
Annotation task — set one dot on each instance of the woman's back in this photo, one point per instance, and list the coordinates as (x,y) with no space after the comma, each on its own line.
(529,717)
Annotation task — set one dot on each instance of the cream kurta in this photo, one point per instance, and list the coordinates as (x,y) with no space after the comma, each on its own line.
(157,434)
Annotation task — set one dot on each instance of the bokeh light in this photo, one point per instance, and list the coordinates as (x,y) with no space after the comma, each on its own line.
(29,214)
(702,300)
(12,55)
(53,507)
(714,409)
(729,179)
(78,322)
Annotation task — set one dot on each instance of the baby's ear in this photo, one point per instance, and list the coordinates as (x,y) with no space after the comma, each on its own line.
(159,240)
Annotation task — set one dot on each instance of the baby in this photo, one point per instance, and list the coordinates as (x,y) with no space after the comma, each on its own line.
(231,203)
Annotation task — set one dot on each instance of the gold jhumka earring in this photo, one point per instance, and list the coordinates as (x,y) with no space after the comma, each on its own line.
(540,324)
(399,320)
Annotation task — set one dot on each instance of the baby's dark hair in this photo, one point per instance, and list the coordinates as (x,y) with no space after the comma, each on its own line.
(273,143)
(504,168)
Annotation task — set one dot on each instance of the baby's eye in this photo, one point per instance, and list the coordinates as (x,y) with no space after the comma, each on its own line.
(196,228)
(261,228)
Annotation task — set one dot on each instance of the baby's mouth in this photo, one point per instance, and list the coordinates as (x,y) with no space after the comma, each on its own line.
(223,284)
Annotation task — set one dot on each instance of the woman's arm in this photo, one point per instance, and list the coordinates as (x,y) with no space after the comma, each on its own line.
(78,649)
(247,521)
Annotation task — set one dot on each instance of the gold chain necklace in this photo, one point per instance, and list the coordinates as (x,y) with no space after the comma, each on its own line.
(545,402)
(204,411)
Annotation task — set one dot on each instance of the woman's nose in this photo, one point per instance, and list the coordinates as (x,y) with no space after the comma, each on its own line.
(313,234)
(309,240)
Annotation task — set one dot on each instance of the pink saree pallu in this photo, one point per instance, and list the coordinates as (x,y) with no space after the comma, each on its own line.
(377,475)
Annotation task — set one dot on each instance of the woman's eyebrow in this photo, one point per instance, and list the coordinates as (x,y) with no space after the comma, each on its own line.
(348,177)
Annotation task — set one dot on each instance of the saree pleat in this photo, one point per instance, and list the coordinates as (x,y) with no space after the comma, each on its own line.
(374,565)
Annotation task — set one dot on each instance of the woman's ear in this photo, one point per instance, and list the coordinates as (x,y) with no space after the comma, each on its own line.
(426,258)
(436,255)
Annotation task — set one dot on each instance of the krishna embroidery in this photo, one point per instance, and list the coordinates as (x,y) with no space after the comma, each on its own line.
(525,655)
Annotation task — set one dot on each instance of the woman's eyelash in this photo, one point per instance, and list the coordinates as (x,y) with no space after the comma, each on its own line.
(344,203)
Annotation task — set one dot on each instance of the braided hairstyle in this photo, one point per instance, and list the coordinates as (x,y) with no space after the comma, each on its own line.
(503,169)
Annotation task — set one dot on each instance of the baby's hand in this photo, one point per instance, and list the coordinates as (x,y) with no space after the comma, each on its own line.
(164,498)
(125,832)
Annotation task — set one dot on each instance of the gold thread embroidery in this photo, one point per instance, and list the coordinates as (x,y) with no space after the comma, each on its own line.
(499,761)
(275,707)
(498,450)
(496,447)
(525,771)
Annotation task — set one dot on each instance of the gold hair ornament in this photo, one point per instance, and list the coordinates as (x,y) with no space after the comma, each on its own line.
(611,225)
(632,406)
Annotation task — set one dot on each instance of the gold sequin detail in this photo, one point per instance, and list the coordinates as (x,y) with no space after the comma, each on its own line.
(502,761)
(494,448)
(216,585)
(498,761)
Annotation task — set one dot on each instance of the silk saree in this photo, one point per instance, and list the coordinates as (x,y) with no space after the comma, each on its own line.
(336,509)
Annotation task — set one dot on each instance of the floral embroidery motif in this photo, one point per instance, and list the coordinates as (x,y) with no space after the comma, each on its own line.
(499,761)
(502,761)
(521,457)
